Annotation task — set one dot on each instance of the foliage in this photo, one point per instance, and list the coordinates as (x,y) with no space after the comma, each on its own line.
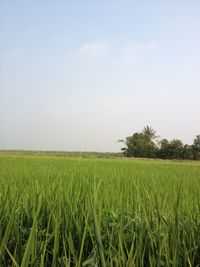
(57,211)
(144,145)
(196,148)
(139,145)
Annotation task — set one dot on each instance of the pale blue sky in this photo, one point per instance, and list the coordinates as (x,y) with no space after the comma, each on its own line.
(79,75)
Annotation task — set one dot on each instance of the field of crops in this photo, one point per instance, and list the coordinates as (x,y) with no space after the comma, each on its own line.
(63,211)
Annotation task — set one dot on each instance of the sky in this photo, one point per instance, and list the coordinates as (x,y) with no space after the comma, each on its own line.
(79,75)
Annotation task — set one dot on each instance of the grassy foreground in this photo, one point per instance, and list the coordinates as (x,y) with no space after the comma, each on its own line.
(57,211)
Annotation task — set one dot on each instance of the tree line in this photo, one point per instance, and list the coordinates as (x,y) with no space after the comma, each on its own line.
(145,144)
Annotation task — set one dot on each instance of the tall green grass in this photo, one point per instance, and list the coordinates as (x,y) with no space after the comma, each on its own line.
(95,212)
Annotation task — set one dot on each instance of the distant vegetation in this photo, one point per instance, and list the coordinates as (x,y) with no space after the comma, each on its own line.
(145,144)
(73,154)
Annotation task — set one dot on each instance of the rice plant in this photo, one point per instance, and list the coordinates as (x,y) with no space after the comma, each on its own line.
(62,211)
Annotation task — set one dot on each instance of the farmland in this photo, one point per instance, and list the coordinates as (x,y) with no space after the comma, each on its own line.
(72,211)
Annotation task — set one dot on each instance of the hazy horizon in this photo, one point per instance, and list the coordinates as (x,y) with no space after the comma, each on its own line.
(80,75)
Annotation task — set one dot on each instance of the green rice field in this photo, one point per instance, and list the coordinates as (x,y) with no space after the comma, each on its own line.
(71,211)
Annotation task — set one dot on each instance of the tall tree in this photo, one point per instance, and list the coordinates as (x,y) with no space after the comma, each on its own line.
(187,152)
(163,151)
(149,132)
(196,147)
(197,141)
(143,144)
(176,149)
(140,144)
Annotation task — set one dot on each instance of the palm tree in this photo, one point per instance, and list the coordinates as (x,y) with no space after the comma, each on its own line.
(149,132)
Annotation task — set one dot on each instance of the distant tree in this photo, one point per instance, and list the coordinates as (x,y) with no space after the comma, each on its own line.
(149,132)
(170,149)
(164,149)
(196,148)
(140,144)
(187,152)
(176,149)
(197,141)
